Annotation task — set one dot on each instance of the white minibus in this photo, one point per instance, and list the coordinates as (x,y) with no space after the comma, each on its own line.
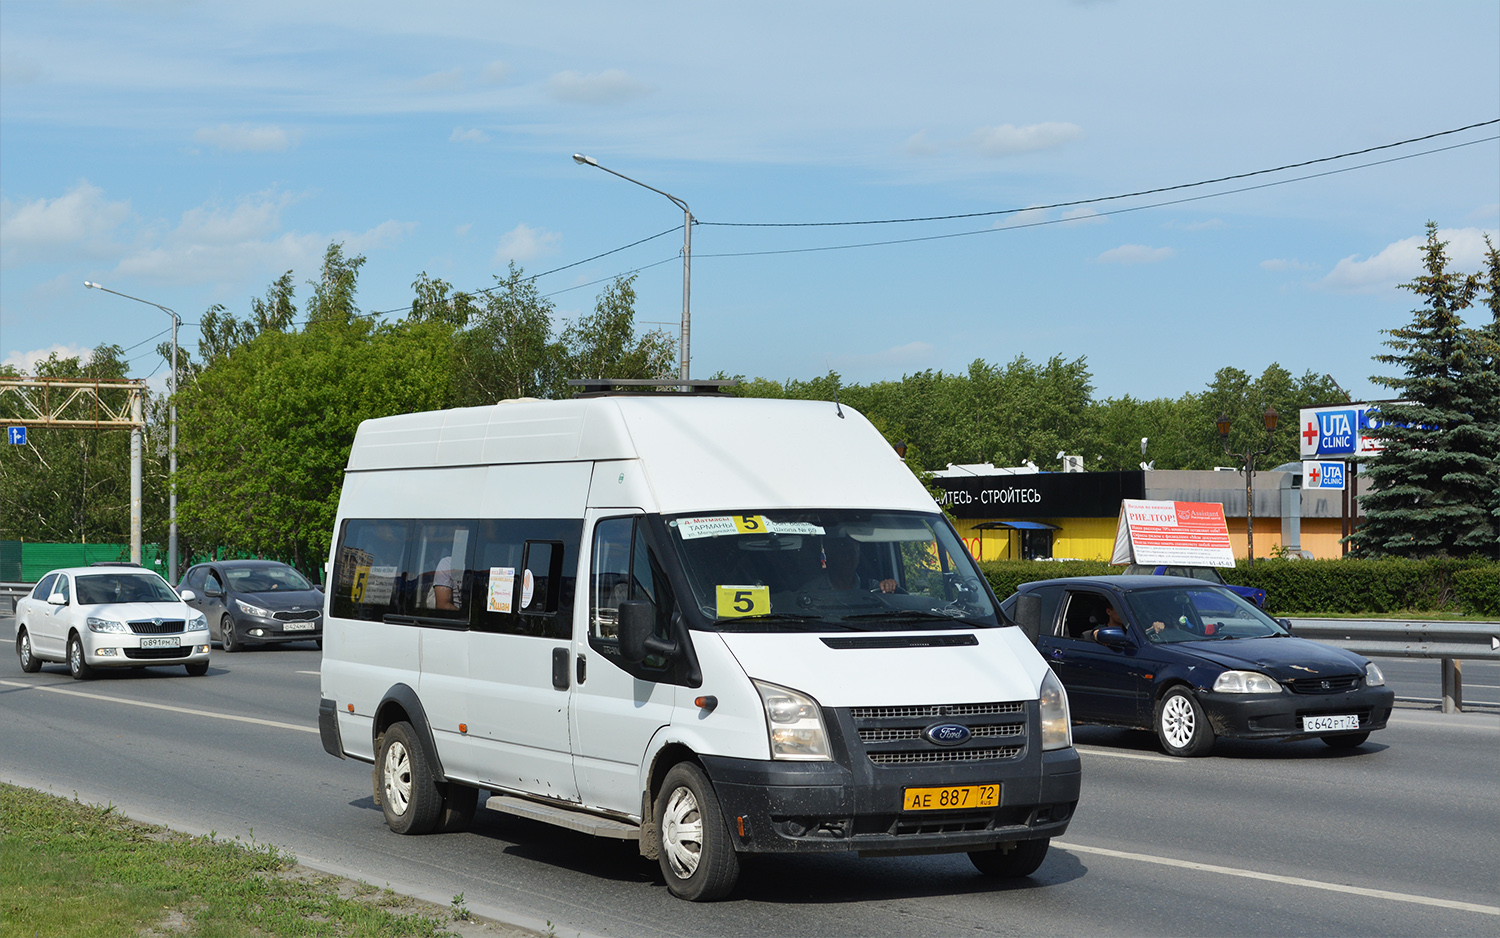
(709,624)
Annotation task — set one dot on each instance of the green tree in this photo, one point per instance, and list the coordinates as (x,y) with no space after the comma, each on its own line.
(1432,486)
(603,344)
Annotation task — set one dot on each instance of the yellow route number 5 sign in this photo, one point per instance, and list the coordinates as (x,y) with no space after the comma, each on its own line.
(744,601)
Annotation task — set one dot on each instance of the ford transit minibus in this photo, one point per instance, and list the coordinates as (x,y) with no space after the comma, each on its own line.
(712,625)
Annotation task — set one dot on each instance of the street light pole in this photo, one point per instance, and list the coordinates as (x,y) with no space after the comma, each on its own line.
(1269,419)
(171,432)
(684,345)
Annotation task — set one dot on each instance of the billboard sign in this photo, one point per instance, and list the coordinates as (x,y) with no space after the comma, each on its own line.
(1161,532)
(1323,475)
(1343,431)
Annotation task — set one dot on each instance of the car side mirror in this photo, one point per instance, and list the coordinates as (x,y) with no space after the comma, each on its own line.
(1114,638)
(212,593)
(187,595)
(58,599)
(1029,615)
(1286,624)
(637,626)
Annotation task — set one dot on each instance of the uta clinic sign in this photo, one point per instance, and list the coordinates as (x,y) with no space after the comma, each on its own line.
(1343,431)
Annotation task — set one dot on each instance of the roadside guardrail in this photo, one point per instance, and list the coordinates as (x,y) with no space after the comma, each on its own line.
(10,592)
(1450,642)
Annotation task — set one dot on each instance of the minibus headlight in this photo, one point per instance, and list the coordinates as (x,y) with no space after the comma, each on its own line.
(1245,682)
(795,724)
(1057,725)
(106,625)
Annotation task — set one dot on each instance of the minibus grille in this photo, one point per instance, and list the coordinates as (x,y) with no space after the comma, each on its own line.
(897,736)
(944,755)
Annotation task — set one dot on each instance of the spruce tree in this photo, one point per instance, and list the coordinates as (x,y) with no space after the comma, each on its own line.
(1433,481)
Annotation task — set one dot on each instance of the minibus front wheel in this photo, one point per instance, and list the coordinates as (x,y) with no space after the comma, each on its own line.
(697,858)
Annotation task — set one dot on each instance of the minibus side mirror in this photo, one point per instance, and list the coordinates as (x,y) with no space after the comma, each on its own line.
(1029,615)
(637,625)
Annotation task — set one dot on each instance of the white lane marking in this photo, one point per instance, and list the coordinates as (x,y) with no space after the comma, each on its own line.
(1285,880)
(1143,756)
(309,672)
(156,706)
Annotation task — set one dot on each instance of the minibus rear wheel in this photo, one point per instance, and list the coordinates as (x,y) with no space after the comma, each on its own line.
(697,858)
(409,797)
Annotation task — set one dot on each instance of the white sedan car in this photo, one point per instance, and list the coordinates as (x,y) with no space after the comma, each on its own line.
(111,616)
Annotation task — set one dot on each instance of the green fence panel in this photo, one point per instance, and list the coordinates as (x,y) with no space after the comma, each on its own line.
(39,559)
(10,562)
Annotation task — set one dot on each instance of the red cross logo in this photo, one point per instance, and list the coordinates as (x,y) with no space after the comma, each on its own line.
(1311,433)
(1312,476)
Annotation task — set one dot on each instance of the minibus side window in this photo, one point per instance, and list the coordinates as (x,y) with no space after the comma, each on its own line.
(507,551)
(438,577)
(624,568)
(367,569)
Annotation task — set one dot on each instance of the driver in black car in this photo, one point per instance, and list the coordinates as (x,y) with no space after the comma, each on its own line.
(1113,620)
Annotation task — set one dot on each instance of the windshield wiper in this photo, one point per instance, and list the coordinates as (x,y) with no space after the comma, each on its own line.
(903,614)
(731,621)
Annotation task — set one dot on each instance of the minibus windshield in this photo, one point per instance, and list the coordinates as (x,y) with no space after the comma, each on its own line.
(844,569)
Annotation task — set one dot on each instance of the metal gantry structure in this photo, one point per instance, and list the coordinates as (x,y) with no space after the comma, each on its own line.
(83,404)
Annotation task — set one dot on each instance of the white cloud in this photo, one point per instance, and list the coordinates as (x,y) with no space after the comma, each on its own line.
(1284,263)
(450,80)
(918,145)
(81,221)
(1205,225)
(1082,216)
(1134,254)
(611,86)
(463,229)
(495,73)
(26,362)
(1401,261)
(244,138)
(1021,219)
(472,135)
(1008,139)
(387,234)
(524,243)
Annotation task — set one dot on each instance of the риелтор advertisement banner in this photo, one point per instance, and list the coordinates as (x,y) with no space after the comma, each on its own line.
(1179,533)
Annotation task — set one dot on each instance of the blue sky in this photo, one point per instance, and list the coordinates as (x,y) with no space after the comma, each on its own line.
(189,153)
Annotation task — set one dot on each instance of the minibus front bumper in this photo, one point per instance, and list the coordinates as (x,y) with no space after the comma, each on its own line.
(853,803)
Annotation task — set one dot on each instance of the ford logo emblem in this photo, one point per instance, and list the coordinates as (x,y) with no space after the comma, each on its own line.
(947,734)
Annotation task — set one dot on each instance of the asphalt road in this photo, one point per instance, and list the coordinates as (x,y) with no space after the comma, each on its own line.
(1400,837)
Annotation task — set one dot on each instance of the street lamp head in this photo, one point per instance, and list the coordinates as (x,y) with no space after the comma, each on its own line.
(1223,423)
(900,447)
(582,160)
(92,285)
(1270,418)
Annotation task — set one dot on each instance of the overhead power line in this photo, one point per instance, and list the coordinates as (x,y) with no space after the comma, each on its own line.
(1105,198)
(1084,218)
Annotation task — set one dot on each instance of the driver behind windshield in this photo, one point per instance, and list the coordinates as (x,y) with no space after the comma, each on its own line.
(840,559)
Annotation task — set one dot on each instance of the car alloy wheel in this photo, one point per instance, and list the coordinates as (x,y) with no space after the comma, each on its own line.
(1181,724)
(78,666)
(29,663)
(226,635)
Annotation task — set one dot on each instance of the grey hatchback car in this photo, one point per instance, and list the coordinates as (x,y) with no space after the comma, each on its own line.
(252,602)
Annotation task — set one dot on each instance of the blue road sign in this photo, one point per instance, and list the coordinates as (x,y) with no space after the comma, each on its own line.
(16,435)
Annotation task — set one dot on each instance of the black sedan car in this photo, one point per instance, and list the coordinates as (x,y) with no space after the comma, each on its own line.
(252,602)
(1193,661)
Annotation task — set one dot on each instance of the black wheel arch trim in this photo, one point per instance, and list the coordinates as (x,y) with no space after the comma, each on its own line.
(402,696)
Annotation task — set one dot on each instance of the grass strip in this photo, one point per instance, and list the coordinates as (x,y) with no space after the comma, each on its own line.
(78,870)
